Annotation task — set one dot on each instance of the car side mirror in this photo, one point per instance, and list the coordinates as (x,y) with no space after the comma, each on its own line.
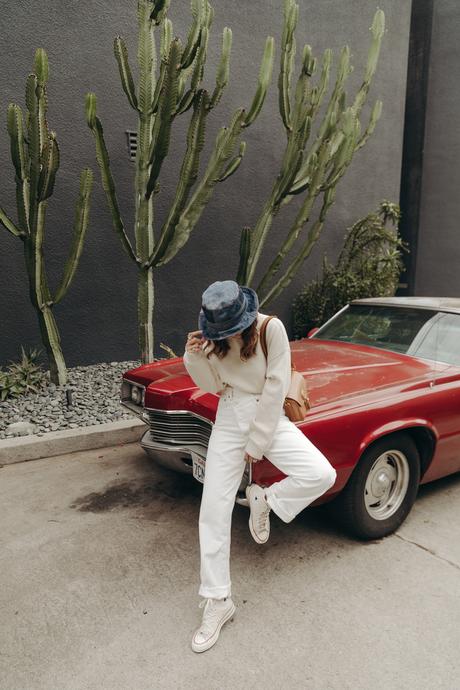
(312,331)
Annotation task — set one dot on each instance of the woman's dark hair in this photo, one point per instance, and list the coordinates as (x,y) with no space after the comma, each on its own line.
(248,348)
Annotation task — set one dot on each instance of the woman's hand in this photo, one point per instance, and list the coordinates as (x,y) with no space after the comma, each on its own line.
(195,341)
(250,458)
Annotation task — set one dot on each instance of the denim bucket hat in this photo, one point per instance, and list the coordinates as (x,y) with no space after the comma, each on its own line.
(226,309)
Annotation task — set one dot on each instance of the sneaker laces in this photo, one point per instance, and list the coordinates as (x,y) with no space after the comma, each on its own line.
(262,517)
(210,616)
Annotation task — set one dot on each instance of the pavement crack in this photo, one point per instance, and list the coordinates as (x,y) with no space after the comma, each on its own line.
(430,551)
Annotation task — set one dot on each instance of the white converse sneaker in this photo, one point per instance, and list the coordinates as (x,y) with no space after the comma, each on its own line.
(259,520)
(216,613)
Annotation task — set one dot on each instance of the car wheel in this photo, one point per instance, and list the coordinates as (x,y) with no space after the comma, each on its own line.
(382,488)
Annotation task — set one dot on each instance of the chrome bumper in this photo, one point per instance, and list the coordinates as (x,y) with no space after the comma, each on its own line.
(179,459)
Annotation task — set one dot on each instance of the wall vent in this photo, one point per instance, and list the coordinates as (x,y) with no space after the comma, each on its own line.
(131,137)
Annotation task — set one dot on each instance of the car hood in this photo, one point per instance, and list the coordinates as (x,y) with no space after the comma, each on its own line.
(336,373)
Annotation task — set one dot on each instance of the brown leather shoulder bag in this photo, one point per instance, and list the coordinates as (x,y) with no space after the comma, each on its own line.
(296,403)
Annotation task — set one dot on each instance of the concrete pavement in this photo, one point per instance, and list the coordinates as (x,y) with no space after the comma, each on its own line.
(99,562)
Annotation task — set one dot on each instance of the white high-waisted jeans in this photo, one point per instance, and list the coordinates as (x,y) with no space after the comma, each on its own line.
(309,475)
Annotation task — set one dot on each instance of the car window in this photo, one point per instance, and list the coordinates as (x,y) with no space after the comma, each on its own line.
(424,333)
(441,341)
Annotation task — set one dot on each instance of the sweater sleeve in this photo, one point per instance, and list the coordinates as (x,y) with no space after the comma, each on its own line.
(202,372)
(276,386)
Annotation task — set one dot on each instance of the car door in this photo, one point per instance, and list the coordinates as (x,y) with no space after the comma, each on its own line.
(440,343)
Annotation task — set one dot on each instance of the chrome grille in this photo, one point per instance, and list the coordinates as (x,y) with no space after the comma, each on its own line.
(179,428)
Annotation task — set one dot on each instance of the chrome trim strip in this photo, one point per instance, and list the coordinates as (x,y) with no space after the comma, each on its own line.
(187,412)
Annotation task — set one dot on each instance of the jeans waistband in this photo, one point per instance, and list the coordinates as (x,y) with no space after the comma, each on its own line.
(230,393)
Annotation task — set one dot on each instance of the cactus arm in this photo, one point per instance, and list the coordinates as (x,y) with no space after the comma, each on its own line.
(223,148)
(50,167)
(195,62)
(193,39)
(288,50)
(41,68)
(165,37)
(318,92)
(234,164)
(291,164)
(223,69)
(80,227)
(343,158)
(377,29)
(245,249)
(305,251)
(188,174)
(165,45)
(10,225)
(198,67)
(265,75)
(374,118)
(42,71)
(34,148)
(127,81)
(163,120)
(15,129)
(301,109)
(344,71)
(340,162)
(20,158)
(185,102)
(158,86)
(351,129)
(291,160)
(106,174)
(188,61)
(39,263)
(146,53)
(300,125)
(300,220)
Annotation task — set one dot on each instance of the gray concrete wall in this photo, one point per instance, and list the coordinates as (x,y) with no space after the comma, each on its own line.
(97,319)
(438,256)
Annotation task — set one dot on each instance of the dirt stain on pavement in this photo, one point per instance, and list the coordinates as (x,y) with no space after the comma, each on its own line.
(145,493)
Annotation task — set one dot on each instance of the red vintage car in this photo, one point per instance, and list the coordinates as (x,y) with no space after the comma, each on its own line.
(384,381)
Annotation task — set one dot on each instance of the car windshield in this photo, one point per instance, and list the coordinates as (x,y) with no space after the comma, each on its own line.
(424,333)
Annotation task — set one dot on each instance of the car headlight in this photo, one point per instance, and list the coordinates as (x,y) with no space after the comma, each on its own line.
(136,395)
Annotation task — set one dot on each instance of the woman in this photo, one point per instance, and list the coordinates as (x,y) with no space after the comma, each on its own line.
(224,357)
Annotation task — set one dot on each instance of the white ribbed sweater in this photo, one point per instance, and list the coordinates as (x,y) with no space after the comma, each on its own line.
(269,378)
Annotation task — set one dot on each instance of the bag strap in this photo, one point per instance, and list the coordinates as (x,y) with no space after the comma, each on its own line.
(263,337)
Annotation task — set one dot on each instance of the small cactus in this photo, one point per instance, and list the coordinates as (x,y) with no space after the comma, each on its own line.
(35,156)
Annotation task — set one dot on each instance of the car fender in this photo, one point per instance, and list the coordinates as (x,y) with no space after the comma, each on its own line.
(392,427)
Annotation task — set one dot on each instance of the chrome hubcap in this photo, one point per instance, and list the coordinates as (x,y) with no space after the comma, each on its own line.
(386,484)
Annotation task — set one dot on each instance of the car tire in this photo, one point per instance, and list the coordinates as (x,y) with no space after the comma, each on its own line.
(390,465)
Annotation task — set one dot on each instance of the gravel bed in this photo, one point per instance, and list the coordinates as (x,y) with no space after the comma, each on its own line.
(95,399)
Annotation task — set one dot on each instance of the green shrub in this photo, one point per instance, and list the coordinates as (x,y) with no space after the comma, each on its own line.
(22,377)
(369,265)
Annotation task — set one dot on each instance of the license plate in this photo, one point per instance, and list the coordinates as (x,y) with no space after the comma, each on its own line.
(198,467)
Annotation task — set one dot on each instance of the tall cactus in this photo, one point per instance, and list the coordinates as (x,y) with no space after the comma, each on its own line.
(314,171)
(162,95)
(35,156)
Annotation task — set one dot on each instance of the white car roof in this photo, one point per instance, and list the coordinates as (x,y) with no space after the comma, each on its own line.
(451,304)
